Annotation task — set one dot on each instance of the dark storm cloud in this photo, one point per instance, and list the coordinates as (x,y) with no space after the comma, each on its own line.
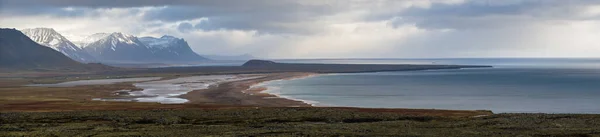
(55,7)
(485,14)
(104,3)
(289,16)
(53,11)
(263,15)
(40,9)
(471,9)
(185,27)
(271,18)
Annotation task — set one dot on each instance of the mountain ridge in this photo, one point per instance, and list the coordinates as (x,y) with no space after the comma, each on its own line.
(19,52)
(117,47)
(171,48)
(90,39)
(50,38)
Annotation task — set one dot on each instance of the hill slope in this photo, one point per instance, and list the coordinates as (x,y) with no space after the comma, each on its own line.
(50,38)
(17,51)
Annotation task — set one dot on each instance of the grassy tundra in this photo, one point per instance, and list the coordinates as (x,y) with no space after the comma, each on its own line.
(293,122)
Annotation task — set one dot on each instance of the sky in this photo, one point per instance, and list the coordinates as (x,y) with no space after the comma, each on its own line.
(333,28)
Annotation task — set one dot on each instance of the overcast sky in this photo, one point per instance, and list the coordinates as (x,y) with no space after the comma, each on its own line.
(333,28)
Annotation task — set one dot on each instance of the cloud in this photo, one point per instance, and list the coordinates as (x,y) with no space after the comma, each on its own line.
(185,27)
(265,16)
(502,13)
(333,28)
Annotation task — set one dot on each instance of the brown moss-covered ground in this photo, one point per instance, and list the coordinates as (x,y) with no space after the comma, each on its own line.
(43,111)
(288,122)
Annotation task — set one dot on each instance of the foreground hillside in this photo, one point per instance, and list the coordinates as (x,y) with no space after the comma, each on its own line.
(289,122)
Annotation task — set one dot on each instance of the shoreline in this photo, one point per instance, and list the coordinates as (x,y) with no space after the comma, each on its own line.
(248,84)
(262,88)
(243,93)
(226,95)
(154,91)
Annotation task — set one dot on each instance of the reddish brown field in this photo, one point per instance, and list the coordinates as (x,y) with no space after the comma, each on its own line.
(15,97)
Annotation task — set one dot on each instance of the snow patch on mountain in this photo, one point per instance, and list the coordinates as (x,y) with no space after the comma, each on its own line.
(161,43)
(91,38)
(50,38)
(45,36)
(125,38)
(118,47)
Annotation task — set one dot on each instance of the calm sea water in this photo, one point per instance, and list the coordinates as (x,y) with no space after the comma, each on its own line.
(514,85)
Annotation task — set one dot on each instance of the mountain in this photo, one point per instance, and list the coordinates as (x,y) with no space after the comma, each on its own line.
(90,39)
(50,38)
(122,48)
(119,47)
(17,51)
(169,48)
(223,57)
(259,63)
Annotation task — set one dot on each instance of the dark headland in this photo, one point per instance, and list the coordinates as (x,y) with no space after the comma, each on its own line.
(346,68)
(265,66)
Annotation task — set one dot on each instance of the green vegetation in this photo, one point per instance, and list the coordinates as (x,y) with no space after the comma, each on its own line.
(288,122)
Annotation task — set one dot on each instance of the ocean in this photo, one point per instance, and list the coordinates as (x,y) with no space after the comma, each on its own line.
(513,86)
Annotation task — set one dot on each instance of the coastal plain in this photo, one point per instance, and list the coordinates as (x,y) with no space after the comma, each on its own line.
(237,108)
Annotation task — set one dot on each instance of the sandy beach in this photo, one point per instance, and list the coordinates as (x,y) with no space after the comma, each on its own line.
(234,90)
(243,93)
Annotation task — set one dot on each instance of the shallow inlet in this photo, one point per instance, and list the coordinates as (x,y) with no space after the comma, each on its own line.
(167,91)
(154,89)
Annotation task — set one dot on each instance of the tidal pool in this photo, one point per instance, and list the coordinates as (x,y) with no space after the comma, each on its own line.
(154,89)
(167,91)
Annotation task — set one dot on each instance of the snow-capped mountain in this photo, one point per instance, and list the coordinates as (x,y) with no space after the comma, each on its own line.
(169,48)
(119,47)
(50,38)
(90,39)
(160,43)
